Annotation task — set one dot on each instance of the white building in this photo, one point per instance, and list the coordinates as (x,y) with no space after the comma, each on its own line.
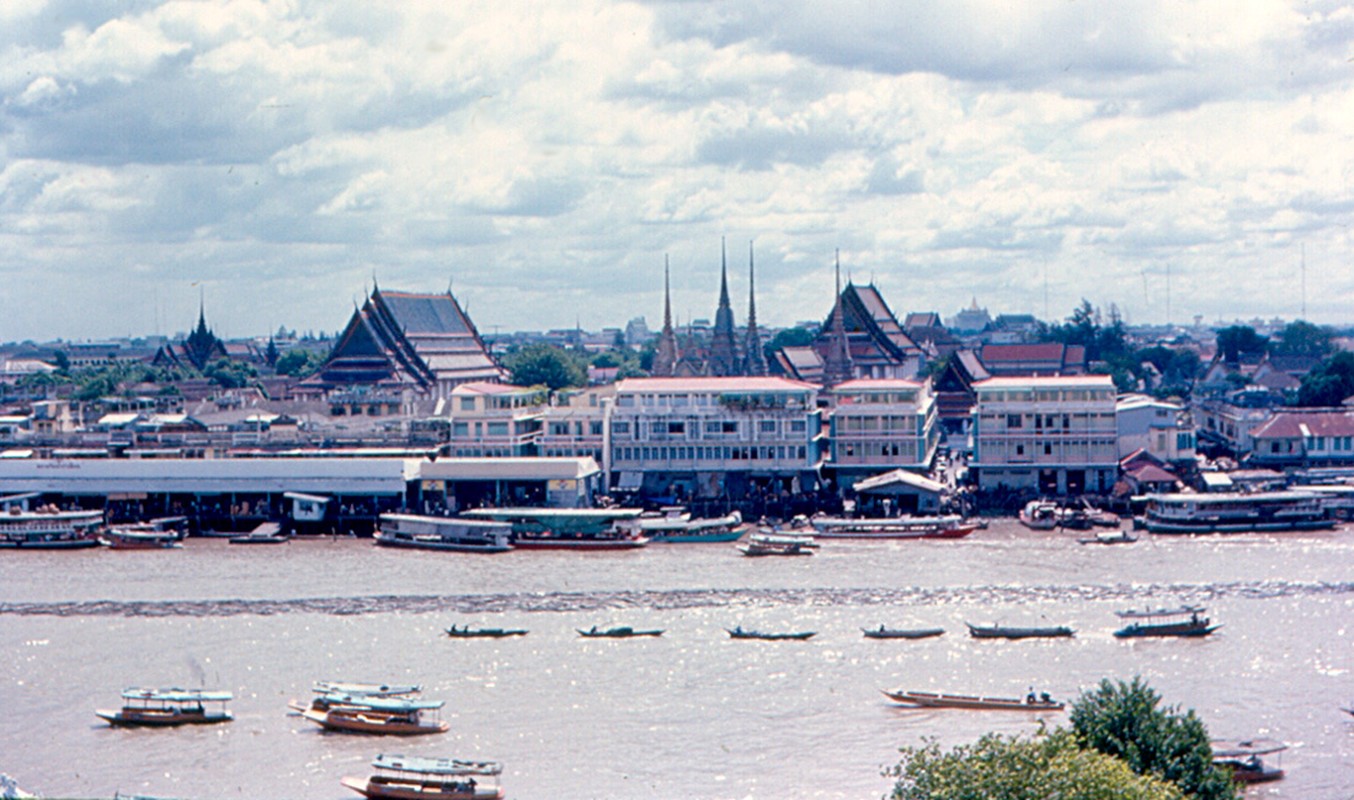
(1163,429)
(1055,435)
(879,425)
(494,419)
(702,437)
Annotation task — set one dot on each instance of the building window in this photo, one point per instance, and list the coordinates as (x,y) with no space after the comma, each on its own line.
(467,404)
(1013,420)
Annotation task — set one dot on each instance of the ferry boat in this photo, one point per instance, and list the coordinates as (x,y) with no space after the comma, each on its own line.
(942,527)
(567,528)
(327,693)
(165,707)
(913,699)
(408,777)
(1185,513)
(50,529)
(444,533)
(400,716)
(675,526)
(1182,621)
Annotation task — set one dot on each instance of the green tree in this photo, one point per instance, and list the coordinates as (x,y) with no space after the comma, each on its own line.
(1016,768)
(1239,340)
(1329,383)
(299,362)
(1302,338)
(1124,720)
(545,365)
(230,374)
(789,337)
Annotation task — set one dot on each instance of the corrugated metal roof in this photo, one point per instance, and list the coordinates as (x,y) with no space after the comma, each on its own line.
(263,475)
(491,469)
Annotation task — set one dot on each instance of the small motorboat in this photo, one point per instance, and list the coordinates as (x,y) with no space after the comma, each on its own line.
(1040,515)
(1011,632)
(468,632)
(883,632)
(1243,759)
(265,533)
(403,777)
(740,632)
(767,542)
(167,707)
(622,632)
(1108,537)
(1032,702)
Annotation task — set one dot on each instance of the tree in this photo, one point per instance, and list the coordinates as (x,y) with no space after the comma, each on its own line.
(789,337)
(1239,340)
(545,365)
(1123,720)
(1016,768)
(298,362)
(1302,338)
(1329,383)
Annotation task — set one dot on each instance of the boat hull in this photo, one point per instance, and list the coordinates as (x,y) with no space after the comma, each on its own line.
(918,633)
(372,723)
(485,633)
(618,633)
(161,719)
(397,789)
(563,543)
(47,544)
(937,700)
(448,547)
(1279,526)
(1169,629)
(1019,633)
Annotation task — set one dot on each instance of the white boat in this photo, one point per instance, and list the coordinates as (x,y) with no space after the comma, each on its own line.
(950,526)
(1041,515)
(567,528)
(50,529)
(1185,513)
(675,526)
(778,543)
(409,777)
(444,533)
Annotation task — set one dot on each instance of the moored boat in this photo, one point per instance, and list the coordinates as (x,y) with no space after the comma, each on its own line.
(1108,537)
(1255,512)
(775,543)
(1183,621)
(914,699)
(398,716)
(167,707)
(1014,632)
(1243,759)
(620,632)
(49,529)
(942,527)
(153,535)
(328,693)
(1040,515)
(418,778)
(468,632)
(677,527)
(567,528)
(444,533)
(739,632)
(264,533)
(883,632)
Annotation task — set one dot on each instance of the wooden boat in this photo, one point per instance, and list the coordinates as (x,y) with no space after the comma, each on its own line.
(1040,515)
(418,778)
(398,716)
(1109,537)
(444,533)
(265,533)
(484,633)
(330,693)
(1011,632)
(1183,621)
(774,543)
(1225,512)
(622,632)
(883,632)
(676,526)
(567,528)
(49,529)
(942,527)
(1243,759)
(937,700)
(740,633)
(166,707)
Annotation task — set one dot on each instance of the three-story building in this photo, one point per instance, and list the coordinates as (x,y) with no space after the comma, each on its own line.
(882,424)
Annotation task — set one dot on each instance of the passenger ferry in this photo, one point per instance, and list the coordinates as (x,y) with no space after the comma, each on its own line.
(568,528)
(942,527)
(429,779)
(1184,513)
(444,533)
(50,530)
(164,707)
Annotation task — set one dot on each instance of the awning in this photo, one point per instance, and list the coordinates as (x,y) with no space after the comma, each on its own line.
(896,481)
(631,480)
(1216,480)
(310,498)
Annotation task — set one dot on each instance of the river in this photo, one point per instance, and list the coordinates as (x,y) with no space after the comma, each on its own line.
(692,714)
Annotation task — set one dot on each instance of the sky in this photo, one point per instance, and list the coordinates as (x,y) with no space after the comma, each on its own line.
(271,160)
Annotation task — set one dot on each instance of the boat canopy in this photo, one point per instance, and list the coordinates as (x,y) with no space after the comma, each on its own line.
(394,704)
(1246,747)
(342,687)
(177,695)
(896,481)
(1135,613)
(436,766)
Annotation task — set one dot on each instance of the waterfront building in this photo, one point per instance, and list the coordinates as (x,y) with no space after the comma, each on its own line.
(401,351)
(574,424)
(1054,435)
(1163,429)
(955,397)
(494,419)
(1225,422)
(879,425)
(1304,438)
(712,437)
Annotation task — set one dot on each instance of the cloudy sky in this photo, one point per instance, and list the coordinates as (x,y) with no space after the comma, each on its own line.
(543,158)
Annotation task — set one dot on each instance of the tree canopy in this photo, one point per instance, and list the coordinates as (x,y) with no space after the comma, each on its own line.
(545,365)
(1016,768)
(1329,383)
(1124,720)
(1239,340)
(1302,338)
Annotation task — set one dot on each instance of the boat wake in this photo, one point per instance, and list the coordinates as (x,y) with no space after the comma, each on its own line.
(680,599)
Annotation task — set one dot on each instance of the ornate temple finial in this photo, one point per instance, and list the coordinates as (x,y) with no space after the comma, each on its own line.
(723,347)
(754,360)
(837,366)
(666,354)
